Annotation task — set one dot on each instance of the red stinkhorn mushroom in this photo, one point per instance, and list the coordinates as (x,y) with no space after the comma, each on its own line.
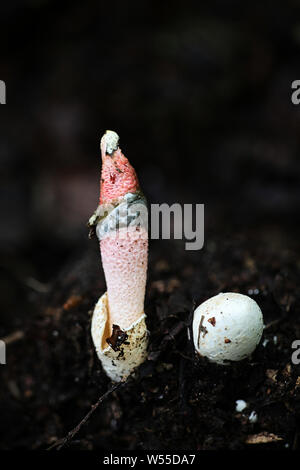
(118,324)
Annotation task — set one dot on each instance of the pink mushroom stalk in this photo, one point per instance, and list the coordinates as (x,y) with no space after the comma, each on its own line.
(118,325)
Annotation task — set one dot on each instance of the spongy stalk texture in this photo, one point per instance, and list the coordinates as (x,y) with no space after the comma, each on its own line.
(117,177)
(124,257)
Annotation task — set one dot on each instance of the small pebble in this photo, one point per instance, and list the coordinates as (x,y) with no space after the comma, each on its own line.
(240,405)
(253,417)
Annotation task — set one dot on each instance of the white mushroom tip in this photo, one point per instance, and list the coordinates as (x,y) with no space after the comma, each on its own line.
(227,327)
(109,142)
(119,364)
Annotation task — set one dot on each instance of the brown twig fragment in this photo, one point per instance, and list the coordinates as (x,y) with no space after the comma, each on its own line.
(59,444)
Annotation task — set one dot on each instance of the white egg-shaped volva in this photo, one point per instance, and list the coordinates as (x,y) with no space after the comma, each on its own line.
(227,327)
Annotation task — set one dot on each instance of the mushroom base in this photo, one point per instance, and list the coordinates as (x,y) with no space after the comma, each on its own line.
(119,364)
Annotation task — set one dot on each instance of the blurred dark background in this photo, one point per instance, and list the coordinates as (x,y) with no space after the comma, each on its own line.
(200,95)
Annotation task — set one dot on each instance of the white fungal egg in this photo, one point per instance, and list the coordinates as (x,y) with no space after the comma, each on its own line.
(227,327)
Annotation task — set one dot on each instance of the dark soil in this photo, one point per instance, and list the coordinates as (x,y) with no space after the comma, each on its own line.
(177,400)
(201,99)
